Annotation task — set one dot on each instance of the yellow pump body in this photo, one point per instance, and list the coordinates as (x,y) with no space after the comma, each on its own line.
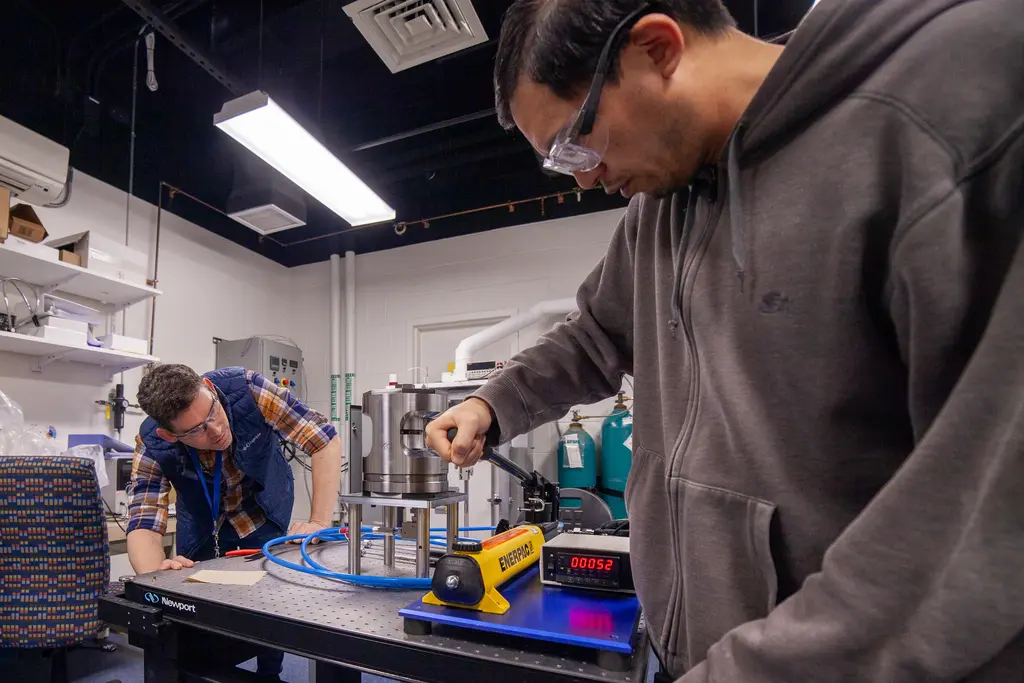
(469,577)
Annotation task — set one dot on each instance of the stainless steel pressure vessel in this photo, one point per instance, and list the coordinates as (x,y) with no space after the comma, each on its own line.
(399,461)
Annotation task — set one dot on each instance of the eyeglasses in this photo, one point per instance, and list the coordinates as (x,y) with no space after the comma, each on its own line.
(576,147)
(201,428)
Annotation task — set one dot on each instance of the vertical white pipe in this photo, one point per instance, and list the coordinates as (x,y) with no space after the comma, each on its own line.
(350,343)
(336,421)
(335,338)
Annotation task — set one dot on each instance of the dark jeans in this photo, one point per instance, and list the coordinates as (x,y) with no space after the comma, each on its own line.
(269,662)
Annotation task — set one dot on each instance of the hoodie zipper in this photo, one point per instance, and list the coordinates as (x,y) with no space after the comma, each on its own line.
(683,440)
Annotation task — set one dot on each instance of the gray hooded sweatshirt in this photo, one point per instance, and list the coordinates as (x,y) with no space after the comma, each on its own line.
(827,340)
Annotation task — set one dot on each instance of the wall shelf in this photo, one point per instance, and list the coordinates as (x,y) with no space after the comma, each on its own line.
(57,276)
(64,277)
(46,352)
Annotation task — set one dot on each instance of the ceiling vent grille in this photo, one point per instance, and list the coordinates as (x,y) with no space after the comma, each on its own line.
(267,219)
(406,33)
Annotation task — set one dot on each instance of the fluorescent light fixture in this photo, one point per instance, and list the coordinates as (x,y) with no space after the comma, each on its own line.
(270,133)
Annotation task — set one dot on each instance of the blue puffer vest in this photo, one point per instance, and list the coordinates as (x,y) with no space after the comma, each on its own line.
(257,454)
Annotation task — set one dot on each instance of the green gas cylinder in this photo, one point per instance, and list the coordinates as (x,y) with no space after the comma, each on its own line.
(616,456)
(577,457)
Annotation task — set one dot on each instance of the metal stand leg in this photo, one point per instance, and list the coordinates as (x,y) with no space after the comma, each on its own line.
(355,538)
(422,517)
(389,536)
(452,512)
(321,672)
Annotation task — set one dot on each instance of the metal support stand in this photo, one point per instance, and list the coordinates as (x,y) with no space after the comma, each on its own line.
(422,518)
(355,537)
(420,508)
(390,517)
(453,526)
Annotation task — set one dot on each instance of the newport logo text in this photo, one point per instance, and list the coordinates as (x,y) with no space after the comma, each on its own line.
(167,602)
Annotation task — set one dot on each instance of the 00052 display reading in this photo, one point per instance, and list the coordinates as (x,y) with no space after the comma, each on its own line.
(591,565)
(601,564)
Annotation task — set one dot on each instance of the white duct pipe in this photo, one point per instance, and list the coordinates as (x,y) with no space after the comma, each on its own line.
(470,345)
(336,350)
(335,338)
(350,338)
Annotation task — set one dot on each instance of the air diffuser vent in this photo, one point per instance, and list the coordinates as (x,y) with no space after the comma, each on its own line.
(267,219)
(405,33)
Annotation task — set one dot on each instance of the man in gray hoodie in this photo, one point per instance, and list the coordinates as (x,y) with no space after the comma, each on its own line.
(819,288)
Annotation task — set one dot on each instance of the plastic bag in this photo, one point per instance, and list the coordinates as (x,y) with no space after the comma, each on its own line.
(93,452)
(10,412)
(12,427)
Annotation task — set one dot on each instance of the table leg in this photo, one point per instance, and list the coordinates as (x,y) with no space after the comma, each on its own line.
(355,538)
(159,663)
(422,517)
(331,673)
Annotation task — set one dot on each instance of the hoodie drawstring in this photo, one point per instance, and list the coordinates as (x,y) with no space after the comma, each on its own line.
(703,183)
(739,228)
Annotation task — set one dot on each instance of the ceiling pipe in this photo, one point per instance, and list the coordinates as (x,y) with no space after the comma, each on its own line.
(456,143)
(470,345)
(429,128)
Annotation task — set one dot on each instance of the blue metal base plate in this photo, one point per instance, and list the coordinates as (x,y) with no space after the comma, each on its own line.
(582,618)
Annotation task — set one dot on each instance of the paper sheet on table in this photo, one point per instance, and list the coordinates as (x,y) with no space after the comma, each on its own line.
(226,578)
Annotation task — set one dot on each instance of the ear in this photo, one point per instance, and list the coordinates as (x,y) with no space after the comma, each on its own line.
(166,435)
(661,41)
(209,385)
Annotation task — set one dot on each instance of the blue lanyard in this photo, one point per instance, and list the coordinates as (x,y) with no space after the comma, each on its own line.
(214,499)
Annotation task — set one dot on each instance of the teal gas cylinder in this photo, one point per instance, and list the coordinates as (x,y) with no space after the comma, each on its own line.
(577,457)
(616,456)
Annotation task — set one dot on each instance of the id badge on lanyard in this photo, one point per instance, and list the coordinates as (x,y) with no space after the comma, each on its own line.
(212,498)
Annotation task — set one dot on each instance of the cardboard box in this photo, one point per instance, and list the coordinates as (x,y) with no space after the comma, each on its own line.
(25,224)
(104,255)
(68,256)
(5,213)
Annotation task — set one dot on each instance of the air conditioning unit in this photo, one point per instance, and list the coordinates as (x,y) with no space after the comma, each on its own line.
(33,167)
(406,33)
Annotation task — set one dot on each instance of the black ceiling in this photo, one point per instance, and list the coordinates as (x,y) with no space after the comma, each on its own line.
(68,75)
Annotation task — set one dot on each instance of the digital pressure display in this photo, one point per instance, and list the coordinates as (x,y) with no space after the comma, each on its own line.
(576,560)
(587,570)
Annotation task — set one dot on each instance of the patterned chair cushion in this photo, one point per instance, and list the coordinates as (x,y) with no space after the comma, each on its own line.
(54,558)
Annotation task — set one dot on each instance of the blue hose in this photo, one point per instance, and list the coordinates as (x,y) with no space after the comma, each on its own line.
(315,569)
(330,535)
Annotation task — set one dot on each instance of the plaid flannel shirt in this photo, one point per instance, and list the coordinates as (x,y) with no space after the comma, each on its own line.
(294,421)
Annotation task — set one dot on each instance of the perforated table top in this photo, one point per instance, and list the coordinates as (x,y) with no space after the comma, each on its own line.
(304,601)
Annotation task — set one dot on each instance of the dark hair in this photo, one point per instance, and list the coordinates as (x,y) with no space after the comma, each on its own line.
(557,43)
(167,391)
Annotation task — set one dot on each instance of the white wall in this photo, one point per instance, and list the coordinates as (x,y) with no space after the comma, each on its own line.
(404,292)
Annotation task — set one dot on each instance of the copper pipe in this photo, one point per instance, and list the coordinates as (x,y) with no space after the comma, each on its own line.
(399,225)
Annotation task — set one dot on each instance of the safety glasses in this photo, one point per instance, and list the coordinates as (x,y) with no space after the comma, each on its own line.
(201,428)
(577,148)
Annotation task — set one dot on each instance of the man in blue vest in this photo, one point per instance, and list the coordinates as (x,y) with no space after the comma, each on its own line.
(217,440)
